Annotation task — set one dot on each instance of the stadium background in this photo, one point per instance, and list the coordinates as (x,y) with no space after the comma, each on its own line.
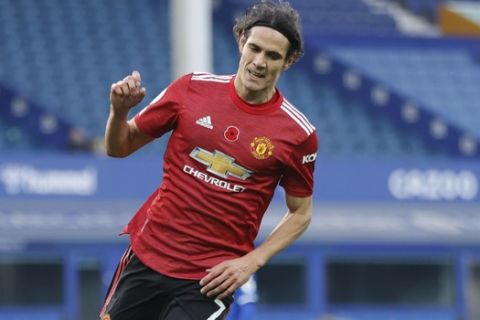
(392,87)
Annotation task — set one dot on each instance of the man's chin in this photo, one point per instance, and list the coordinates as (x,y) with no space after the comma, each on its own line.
(254,86)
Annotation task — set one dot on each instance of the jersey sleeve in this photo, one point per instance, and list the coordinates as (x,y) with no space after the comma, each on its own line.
(297,179)
(161,115)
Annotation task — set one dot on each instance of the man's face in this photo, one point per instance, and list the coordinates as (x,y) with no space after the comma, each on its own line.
(263,57)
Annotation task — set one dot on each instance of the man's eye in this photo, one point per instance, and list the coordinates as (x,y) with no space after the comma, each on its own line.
(274,56)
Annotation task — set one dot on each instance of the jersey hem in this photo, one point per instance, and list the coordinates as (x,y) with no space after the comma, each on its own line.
(196,276)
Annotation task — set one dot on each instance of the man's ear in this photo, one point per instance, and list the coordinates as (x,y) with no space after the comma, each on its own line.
(241,42)
(288,63)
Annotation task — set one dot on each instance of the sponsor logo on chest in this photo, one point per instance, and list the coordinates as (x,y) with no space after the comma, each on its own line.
(220,165)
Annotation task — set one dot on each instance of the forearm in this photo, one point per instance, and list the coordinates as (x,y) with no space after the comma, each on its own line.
(224,278)
(117,134)
(121,137)
(287,231)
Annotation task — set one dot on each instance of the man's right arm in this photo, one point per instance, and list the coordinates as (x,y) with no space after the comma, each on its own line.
(122,137)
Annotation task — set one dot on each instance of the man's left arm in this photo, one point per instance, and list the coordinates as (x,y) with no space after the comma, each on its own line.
(223,279)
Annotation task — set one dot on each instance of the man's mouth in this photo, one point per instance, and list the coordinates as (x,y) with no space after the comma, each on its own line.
(256,75)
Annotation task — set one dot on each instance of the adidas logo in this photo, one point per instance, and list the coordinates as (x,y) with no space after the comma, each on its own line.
(205,122)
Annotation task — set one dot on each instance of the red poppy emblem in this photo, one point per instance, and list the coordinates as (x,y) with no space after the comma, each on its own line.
(232,133)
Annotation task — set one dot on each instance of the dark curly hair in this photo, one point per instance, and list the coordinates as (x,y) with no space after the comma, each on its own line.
(278,15)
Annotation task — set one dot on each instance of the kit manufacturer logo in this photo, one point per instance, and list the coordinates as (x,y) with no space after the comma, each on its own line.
(205,122)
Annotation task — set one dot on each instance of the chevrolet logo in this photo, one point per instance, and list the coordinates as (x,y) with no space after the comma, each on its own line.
(220,164)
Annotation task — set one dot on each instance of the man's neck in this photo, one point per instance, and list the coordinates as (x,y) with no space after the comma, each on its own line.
(250,96)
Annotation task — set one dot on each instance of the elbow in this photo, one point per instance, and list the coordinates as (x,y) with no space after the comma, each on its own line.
(306,218)
(117,148)
(115,153)
(307,221)
(303,221)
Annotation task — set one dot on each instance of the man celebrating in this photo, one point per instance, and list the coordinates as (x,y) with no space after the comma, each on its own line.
(234,139)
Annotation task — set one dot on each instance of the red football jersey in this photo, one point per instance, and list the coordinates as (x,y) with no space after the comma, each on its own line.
(222,163)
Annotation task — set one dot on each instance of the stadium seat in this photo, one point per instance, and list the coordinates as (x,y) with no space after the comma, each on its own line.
(65,54)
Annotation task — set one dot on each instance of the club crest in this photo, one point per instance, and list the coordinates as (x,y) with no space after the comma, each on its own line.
(261,148)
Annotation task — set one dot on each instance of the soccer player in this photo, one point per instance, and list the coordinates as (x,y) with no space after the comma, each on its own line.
(233,140)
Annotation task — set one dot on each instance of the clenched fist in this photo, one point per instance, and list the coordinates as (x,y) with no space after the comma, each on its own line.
(127,93)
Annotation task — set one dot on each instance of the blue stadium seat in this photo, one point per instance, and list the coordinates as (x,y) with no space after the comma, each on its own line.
(330,17)
(443,80)
(426,8)
(66,53)
(14,138)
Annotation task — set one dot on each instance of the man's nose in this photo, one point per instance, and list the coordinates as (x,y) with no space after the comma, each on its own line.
(259,61)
